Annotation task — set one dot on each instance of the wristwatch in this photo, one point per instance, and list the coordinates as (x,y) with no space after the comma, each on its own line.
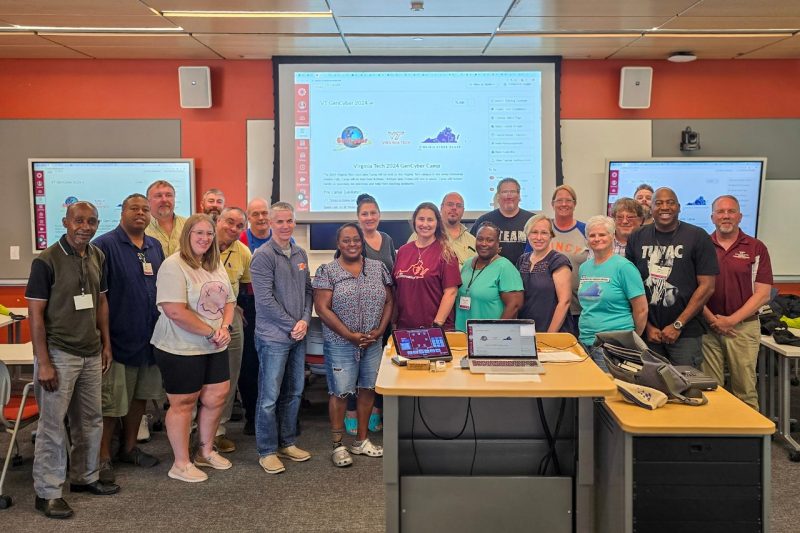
(677,325)
(210,335)
(230,328)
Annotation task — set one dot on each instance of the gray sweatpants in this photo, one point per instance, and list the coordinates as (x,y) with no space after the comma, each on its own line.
(78,399)
(235,349)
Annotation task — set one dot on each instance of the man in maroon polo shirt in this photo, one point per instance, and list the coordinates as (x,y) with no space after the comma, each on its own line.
(742,287)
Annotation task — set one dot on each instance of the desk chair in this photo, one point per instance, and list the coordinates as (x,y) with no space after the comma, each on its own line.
(15,413)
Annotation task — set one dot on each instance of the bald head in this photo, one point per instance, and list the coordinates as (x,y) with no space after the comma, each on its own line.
(452,209)
(258,217)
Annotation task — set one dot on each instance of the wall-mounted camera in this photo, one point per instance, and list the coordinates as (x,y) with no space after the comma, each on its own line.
(690,140)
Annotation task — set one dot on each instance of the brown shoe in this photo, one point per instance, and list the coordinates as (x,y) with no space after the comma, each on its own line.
(271,464)
(294,453)
(223,444)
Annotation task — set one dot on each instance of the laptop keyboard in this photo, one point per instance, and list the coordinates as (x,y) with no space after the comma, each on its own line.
(503,363)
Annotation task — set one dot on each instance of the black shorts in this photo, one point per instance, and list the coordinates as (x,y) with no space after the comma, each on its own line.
(186,374)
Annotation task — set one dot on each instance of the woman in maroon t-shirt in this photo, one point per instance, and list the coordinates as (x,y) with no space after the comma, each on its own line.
(426,274)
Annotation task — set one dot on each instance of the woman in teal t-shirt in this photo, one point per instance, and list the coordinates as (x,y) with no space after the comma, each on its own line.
(611,291)
(491,286)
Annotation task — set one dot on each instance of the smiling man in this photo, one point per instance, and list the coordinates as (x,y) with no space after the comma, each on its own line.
(165,225)
(212,203)
(678,265)
(509,217)
(742,287)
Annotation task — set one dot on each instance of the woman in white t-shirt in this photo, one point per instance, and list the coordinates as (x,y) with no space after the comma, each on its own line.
(190,343)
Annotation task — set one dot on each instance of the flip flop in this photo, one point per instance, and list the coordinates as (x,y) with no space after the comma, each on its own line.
(375,422)
(351,425)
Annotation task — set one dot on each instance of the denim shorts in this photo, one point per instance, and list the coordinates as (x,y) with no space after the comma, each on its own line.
(345,374)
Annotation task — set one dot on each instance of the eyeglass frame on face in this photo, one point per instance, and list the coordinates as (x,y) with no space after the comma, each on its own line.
(625,218)
(563,201)
(457,205)
(201,233)
(355,240)
(512,192)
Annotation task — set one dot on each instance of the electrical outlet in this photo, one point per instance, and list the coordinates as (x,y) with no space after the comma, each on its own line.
(14,253)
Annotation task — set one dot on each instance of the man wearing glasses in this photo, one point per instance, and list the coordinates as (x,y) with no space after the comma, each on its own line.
(462,241)
(678,264)
(509,217)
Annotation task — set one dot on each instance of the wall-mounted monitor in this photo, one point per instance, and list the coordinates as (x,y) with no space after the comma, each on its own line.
(408,130)
(56,183)
(696,182)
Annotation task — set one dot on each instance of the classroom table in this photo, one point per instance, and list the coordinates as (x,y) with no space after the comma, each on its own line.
(14,326)
(782,353)
(681,467)
(430,482)
(16,354)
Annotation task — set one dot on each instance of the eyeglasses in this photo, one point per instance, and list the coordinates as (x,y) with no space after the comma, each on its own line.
(348,242)
(509,193)
(202,233)
(454,204)
(625,218)
(564,201)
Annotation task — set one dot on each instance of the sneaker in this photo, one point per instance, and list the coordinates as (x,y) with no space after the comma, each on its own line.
(144,429)
(271,464)
(224,444)
(189,474)
(214,460)
(367,448)
(107,472)
(137,457)
(294,453)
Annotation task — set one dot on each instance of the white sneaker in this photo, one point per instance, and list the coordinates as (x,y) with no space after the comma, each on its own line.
(144,429)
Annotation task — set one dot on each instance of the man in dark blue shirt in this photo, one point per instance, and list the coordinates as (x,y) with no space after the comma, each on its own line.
(132,263)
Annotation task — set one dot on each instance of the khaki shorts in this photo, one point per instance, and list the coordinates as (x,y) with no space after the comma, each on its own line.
(122,384)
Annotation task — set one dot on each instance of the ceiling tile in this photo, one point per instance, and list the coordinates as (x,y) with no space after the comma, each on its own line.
(600,8)
(70,7)
(703,47)
(432,8)
(418,25)
(256,25)
(732,23)
(785,49)
(745,8)
(135,46)
(238,5)
(90,21)
(596,24)
(430,45)
(246,46)
(30,46)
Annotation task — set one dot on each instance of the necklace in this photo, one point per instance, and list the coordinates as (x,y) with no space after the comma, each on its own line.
(671,235)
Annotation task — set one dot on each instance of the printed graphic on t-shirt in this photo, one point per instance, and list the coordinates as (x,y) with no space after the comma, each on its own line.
(213,296)
(415,271)
(590,287)
(660,260)
(513,236)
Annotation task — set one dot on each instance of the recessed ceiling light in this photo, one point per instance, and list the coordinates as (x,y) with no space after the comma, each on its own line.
(681,57)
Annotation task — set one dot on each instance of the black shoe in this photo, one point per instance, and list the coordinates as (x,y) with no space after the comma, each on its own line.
(55,508)
(137,457)
(249,428)
(98,488)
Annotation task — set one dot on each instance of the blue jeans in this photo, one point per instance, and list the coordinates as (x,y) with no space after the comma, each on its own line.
(281,377)
(344,373)
(685,351)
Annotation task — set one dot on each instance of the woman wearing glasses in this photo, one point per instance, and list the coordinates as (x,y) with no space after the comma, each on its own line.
(190,343)
(547,277)
(570,237)
(353,297)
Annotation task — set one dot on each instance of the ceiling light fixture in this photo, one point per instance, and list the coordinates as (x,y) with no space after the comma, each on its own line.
(87,29)
(681,57)
(248,14)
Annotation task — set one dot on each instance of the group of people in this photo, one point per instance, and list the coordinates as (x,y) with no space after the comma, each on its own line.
(197,307)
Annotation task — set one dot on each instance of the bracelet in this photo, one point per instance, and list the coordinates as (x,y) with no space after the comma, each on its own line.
(210,335)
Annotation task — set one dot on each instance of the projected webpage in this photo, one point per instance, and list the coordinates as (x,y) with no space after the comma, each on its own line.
(696,183)
(104,184)
(395,134)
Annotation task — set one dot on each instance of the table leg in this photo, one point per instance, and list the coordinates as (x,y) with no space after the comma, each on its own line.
(771,377)
(762,382)
(391,476)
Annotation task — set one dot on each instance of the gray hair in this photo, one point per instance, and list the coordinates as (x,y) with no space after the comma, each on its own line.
(601,220)
(280,206)
(213,191)
(535,219)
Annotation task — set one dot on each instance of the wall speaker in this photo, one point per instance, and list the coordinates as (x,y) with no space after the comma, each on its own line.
(634,87)
(195,87)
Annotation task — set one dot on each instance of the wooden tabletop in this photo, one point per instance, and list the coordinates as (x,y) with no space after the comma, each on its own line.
(724,414)
(561,380)
(16,354)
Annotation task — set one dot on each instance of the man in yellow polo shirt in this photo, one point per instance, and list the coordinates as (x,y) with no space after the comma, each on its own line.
(462,241)
(165,226)
(235,256)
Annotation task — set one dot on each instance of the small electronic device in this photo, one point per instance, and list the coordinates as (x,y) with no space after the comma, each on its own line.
(502,347)
(422,343)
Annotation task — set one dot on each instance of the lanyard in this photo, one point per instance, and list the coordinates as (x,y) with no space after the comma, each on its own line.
(474,276)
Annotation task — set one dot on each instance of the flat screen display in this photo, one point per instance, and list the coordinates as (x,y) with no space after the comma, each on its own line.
(697,183)
(56,183)
(409,132)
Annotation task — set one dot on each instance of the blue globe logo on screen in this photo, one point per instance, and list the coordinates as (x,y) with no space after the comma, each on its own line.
(69,200)
(352,137)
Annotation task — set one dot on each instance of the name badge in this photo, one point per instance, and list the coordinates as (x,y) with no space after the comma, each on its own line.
(83,301)
(464,303)
(148,269)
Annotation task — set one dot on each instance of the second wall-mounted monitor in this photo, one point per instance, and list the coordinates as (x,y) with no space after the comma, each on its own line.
(697,182)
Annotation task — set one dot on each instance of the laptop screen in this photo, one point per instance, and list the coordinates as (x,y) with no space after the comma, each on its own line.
(501,338)
(423,343)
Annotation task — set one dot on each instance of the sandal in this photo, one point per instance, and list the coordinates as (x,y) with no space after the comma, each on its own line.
(367,448)
(375,422)
(351,426)
(340,456)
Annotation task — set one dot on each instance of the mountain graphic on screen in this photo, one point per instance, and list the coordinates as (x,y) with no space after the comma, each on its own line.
(444,136)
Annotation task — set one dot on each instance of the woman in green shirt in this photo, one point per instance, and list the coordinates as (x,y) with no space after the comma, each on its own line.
(491,286)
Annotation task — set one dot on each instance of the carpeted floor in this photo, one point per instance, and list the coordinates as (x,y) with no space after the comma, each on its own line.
(313,496)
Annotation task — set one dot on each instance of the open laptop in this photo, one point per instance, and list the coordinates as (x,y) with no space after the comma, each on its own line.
(422,343)
(502,347)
